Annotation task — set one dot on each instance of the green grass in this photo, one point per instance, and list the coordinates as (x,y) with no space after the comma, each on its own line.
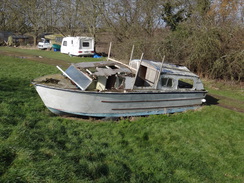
(49,54)
(226,89)
(229,93)
(36,146)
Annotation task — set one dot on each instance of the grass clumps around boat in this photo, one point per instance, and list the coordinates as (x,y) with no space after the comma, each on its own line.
(36,146)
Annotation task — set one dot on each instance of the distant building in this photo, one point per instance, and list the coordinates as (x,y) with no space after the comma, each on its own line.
(4,35)
(20,39)
(16,39)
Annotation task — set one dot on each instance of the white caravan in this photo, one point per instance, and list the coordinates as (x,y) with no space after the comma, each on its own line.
(78,46)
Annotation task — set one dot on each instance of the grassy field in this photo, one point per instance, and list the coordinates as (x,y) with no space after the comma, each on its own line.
(44,54)
(36,146)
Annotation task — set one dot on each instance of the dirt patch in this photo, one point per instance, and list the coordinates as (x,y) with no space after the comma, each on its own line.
(36,58)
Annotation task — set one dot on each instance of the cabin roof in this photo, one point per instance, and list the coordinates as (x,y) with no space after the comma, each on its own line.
(167,68)
(108,68)
(86,65)
(103,68)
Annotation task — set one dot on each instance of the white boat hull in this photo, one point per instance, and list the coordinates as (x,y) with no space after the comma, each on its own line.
(117,104)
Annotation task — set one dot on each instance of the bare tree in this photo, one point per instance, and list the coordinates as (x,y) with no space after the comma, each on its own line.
(90,14)
(10,18)
(69,18)
(127,19)
(3,15)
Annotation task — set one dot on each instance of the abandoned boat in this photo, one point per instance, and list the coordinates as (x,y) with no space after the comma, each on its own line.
(113,89)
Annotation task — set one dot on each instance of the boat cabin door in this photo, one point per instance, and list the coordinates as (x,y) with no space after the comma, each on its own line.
(146,77)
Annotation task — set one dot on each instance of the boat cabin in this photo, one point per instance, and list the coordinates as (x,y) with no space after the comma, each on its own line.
(164,76)
(138,75)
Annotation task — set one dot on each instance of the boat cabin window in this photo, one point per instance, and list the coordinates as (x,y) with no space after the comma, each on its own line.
(65,43)
(185,83)
(166,82)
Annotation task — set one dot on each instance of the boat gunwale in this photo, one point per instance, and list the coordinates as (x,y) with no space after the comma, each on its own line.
(119,92)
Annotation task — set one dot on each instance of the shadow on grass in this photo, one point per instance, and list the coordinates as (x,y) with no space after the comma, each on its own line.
(210,100)
(225,102)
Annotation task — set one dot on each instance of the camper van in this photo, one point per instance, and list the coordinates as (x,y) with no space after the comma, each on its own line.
(78,46)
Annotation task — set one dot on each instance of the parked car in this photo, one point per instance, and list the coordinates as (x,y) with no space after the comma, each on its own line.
(44,44)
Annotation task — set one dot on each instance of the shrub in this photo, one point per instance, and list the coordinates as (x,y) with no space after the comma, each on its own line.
(211,51)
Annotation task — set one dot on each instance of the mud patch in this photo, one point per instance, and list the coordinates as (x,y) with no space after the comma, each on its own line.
(39,59)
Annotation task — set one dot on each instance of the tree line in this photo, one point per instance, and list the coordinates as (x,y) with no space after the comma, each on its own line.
(205,35)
